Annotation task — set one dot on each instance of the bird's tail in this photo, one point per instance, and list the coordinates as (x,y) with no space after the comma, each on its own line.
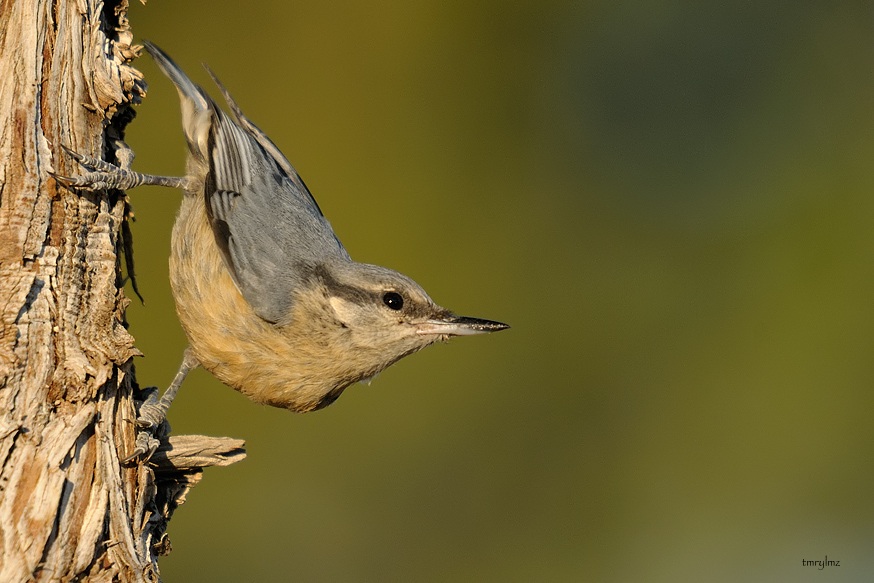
(196,105)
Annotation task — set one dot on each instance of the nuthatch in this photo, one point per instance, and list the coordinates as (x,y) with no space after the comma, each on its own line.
(270,300)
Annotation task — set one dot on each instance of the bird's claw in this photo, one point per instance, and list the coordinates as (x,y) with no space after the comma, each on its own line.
(151,425)
(150,413)
(146,446)
(89,163)
(99,175)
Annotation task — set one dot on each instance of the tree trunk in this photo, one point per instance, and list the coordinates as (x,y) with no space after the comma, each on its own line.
(69,508)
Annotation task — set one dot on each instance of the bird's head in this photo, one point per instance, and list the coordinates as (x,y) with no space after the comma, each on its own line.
(374,316)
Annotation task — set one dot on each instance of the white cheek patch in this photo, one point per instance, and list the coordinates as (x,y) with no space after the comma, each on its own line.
(344,310)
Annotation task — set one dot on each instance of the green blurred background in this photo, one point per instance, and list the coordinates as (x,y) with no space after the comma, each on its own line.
(671,203)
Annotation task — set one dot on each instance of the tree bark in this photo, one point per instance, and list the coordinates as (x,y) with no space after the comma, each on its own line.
(69,508)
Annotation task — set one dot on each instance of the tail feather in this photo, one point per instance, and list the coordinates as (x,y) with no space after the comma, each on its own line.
(197,107)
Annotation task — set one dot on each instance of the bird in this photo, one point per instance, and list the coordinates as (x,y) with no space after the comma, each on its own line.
(271,302)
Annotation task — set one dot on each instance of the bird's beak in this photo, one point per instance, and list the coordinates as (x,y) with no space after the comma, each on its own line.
(452,325)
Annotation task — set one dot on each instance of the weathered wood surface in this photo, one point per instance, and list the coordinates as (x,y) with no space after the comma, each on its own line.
(69,508)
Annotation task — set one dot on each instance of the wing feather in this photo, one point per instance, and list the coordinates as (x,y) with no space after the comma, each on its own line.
(266,223)
(265,220)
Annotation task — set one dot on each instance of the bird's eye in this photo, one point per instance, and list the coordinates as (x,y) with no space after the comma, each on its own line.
(393,300)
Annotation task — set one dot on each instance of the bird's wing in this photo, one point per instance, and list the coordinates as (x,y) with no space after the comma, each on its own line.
(266,222)
(263,140)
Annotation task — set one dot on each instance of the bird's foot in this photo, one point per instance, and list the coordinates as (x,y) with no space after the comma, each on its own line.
(152,426)
(101,175)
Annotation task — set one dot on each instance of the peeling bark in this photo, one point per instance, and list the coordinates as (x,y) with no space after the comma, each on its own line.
(69,509)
